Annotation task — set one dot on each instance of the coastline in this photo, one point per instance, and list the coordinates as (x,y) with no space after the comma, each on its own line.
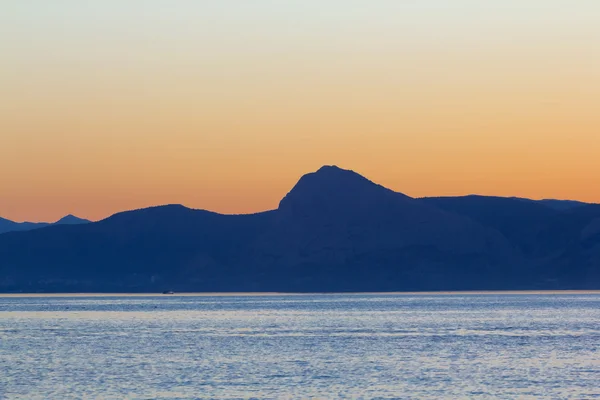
(274,294)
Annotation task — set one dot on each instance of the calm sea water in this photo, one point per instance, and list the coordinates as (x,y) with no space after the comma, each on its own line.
(313,346)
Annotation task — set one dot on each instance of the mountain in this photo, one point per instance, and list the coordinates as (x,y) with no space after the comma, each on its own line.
(519,220)
(562,204)
(71,220)
(560,245)
(334,231)
(149,249)
(10,226)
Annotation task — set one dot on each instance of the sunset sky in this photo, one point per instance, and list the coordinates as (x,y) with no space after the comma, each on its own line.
(113,105)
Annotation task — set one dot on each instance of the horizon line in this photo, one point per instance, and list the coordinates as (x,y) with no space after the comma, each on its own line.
(274,209)
(322,168)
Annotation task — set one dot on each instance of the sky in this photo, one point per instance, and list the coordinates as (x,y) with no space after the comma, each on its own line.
(222,105)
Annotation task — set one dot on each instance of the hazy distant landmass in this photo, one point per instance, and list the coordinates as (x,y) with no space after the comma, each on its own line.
(11,226)
(334,231)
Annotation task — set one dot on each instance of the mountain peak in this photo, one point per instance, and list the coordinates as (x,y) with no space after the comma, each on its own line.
(335,174)
(334,188)
(332,167)
(71,220)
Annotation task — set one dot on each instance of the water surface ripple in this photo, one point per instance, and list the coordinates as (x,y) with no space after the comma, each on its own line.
(311,346)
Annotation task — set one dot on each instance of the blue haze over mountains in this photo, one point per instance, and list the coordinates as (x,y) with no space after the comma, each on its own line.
(11,226)
(335,231)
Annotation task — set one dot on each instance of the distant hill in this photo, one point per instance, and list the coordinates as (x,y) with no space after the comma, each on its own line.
(334,231)
(71,220)
(10,226)
(562,204)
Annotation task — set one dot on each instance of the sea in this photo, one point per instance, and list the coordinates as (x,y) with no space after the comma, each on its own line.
(322,346)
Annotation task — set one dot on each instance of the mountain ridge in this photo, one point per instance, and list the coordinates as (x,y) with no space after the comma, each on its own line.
(7,225)
(335,230)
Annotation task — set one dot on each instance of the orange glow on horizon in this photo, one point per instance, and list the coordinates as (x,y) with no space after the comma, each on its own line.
(104,111)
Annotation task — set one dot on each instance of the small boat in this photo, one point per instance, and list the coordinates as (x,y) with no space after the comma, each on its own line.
(168,292)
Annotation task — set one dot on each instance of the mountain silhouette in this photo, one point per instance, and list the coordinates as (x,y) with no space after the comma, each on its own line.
(71,220)
(10,226)
(334,231)
(561,204)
